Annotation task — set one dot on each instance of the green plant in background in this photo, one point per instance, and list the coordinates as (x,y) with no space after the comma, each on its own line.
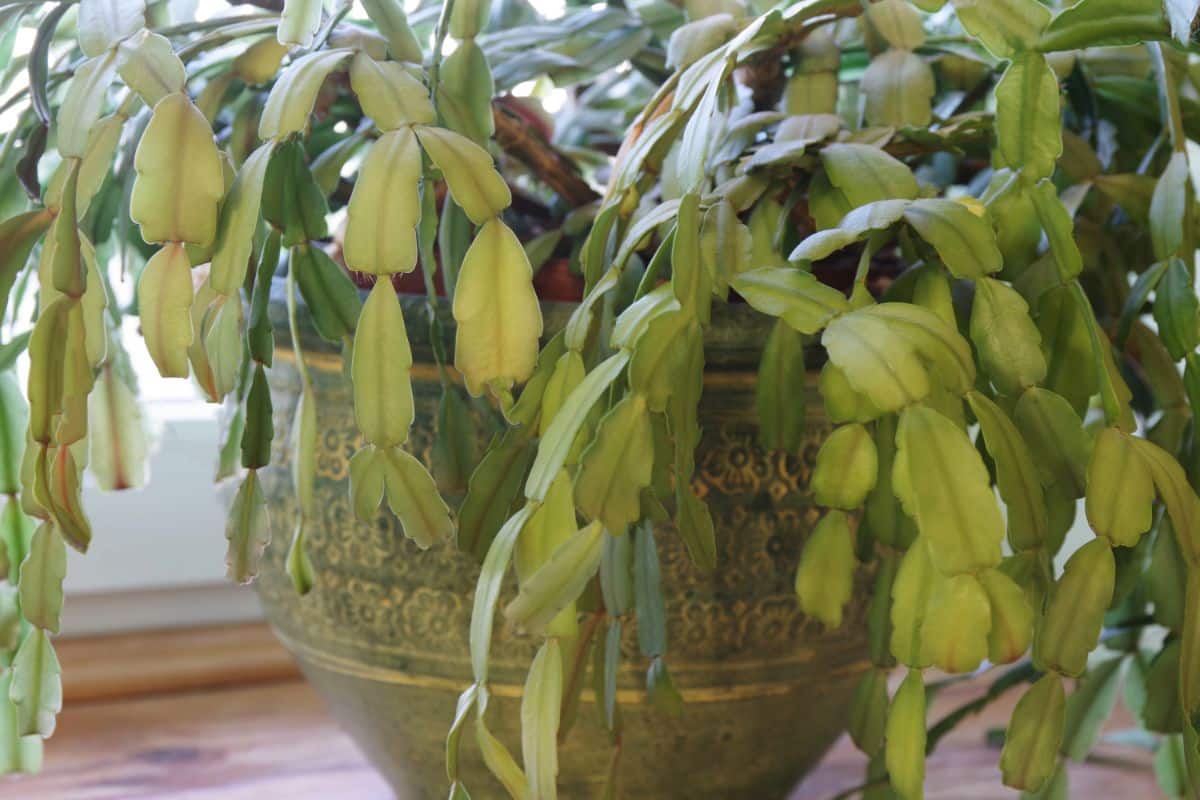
(982,211)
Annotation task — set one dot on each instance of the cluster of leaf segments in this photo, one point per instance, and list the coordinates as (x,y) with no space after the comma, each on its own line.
(606,425)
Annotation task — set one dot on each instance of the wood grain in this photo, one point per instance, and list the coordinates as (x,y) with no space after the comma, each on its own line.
(273,738)
(249,743)
(154,662)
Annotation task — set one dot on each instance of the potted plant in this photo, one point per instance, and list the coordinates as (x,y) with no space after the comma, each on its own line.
(969,225)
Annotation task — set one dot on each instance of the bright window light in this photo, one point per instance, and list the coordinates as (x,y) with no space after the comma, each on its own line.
(551,9)
(554,100)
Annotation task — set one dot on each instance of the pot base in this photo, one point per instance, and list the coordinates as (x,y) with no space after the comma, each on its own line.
(383,635)
(731,742)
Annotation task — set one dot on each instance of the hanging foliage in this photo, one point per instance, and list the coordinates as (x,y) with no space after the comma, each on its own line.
(981,224)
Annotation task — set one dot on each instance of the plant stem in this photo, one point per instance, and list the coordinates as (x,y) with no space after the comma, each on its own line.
(427,234)
(1143,167)
(294,328)
(1168,92)
(874,242)
(269,5)
(439,39)
(578,665)
(217,37)
(1022,672)
(38,63)
(323,34)
(209,25)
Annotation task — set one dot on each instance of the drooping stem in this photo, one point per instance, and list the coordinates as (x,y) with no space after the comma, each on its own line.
(428,227)
(294,328)
(327,29)
(426,235)
(578,665)
(1023,672)
(874,242)
(238,23)
(439,40)
(253,23)
(1168,92)
(269,5)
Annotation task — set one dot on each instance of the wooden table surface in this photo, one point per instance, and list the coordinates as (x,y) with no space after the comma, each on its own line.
(273,738)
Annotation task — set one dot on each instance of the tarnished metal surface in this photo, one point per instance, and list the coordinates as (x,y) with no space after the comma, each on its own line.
(383,635)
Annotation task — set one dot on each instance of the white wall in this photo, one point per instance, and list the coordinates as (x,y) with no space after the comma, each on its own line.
(157,557)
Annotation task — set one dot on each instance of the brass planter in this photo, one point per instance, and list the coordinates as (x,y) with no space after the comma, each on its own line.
(383,635)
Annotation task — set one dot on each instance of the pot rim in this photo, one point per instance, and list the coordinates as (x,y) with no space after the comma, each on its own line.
(733,342)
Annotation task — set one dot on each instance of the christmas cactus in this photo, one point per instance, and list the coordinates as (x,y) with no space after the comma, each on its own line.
(980,215)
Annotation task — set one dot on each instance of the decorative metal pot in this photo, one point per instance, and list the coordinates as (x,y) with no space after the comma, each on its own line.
(383,634)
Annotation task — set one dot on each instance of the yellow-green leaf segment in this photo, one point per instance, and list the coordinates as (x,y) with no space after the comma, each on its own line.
(958,392)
